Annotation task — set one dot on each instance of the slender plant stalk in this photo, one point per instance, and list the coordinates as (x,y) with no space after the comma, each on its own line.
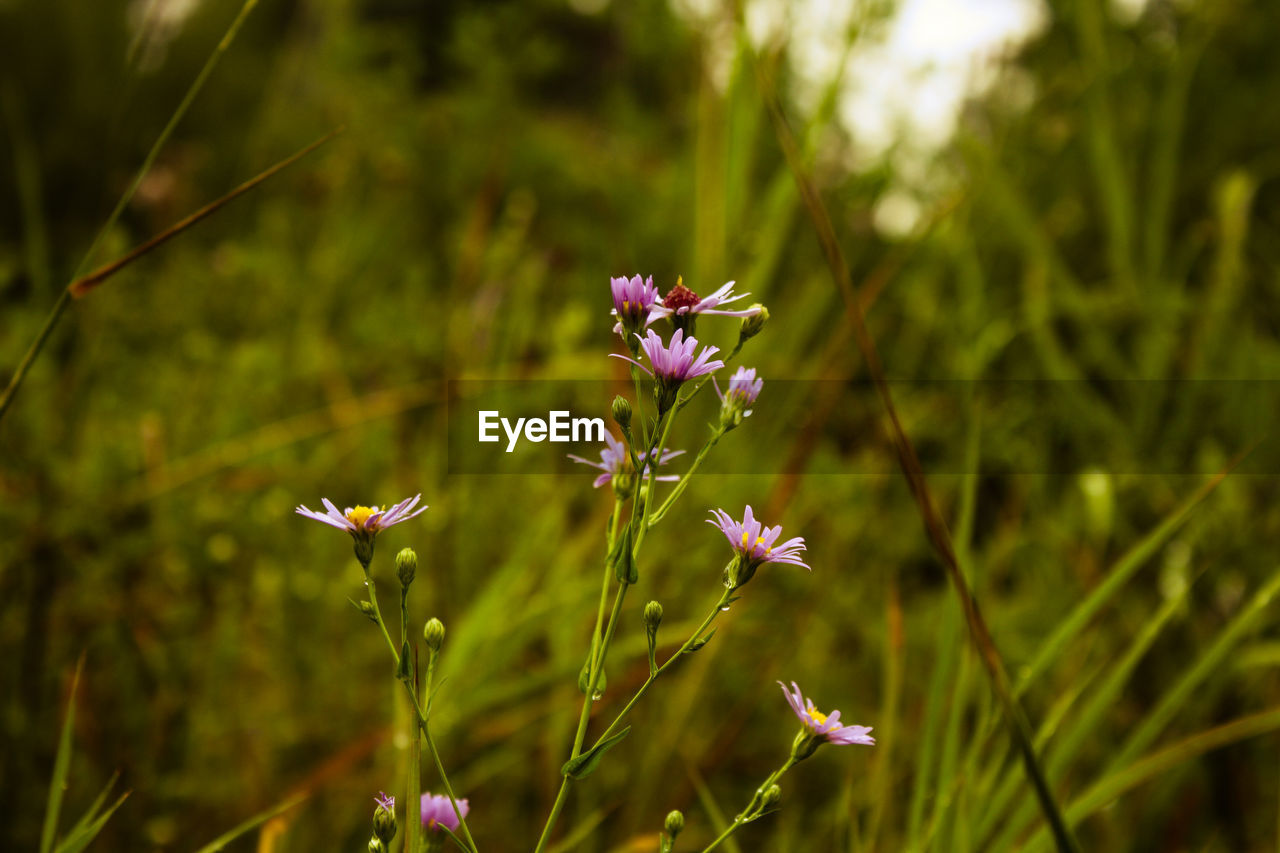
(678,489)
(84,284)
(55,313)
(746,815)
(417,709)
(935,527)
(693,638)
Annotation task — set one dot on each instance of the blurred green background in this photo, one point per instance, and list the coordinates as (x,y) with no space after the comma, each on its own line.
(1105,209)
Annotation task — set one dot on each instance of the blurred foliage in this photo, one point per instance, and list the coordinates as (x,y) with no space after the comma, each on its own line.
(1106,217)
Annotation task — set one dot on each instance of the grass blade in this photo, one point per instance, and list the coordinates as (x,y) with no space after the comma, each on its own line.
(1124,569)
(938,535)
(64,299)
(1206,665)
(1109,788)
(61,766)
(252,823)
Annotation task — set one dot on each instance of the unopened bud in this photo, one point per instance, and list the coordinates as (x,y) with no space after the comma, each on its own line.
(675,823)
(652,616)
(753,323)
(771,798)
(376,846)
(384,821)
(365,608)
(406,566)
(622,412)
(433,634)
(652,619)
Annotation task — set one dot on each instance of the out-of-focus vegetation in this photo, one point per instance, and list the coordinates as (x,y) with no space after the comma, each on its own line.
(1107,214)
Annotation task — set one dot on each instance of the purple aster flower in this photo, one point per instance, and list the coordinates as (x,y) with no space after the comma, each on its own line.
(753,545)
(682,305)
(744,387)
(437,811)
(615,462)
(633,301)
(364,522)
(820,728)
(675,364)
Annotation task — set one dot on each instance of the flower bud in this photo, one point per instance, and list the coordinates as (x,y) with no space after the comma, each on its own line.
(753,323)
(376,846)
(406,566)
(652,619)
(771,798)
(675,823)
(433,634)
(365,608)
(384,821)
(622,412)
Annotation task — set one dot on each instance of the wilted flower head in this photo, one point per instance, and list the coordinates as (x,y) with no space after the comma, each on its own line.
(364,522)
(682,305)
(753,545)
(437,811)
(820,728)
(615,462)
(744,387)
(633,301)
(674,364)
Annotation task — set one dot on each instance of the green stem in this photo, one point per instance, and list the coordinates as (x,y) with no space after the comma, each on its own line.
(679,487)
(377,613)
(751,812)
(651,464)
(417,709)
(584,717)
(693,638)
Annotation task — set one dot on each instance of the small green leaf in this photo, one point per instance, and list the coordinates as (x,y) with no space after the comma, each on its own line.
(585,676)
(699,643)
(584,764)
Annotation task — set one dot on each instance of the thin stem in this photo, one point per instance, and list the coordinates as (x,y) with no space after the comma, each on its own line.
(578,738)
(556,808)
(377,613)
(651,464)
(417,709)
(693,638)
(751,812)
(679,487)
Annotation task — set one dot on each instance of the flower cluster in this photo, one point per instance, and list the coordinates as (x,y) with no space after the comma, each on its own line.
(671,363)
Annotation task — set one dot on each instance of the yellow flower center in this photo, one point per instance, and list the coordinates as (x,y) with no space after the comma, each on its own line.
(360,515)
(816,715)
(759,540)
